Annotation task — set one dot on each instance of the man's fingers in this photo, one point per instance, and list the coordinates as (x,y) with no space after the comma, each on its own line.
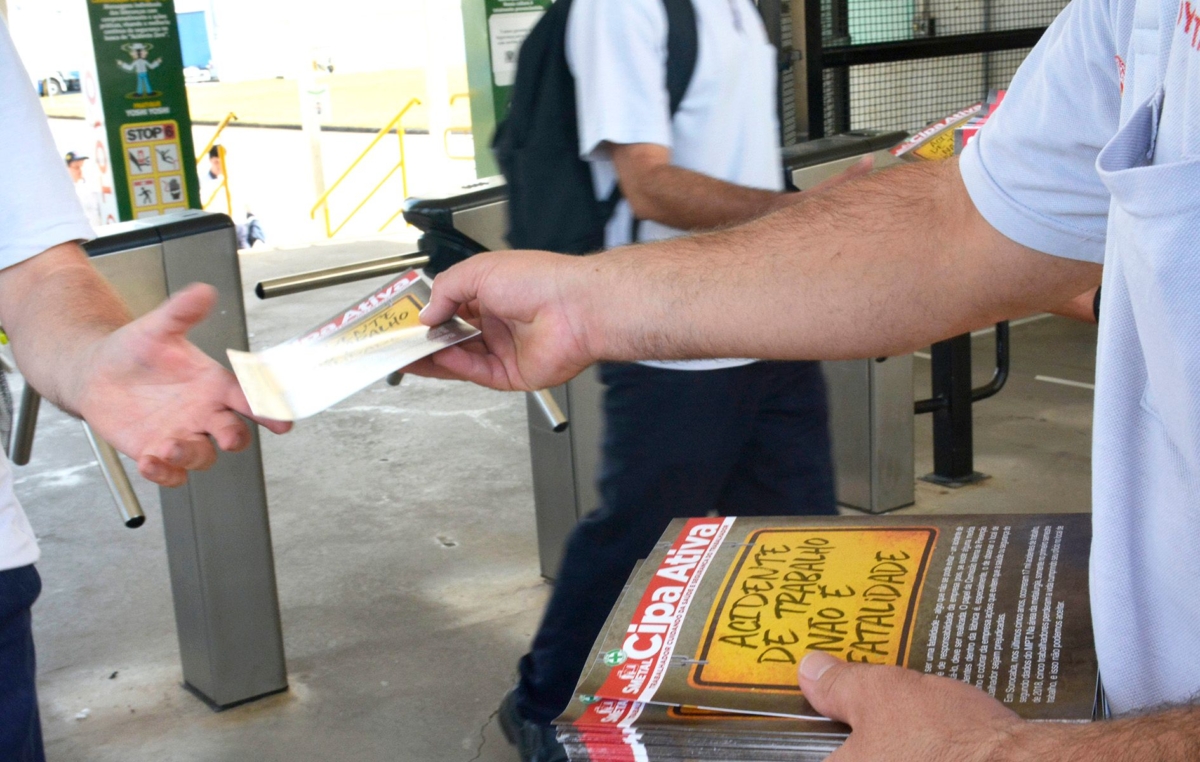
(193,453)
(230,432)
(273,426)
(452,289)
(155,470)
(462,364)
(833,687)
(429,369)
(235,400)
(182,312)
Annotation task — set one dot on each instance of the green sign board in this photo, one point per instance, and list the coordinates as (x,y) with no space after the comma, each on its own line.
(137,102)
(494,32)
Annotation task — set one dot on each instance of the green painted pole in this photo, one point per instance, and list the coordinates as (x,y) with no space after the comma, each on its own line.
(494,32)
(136,103)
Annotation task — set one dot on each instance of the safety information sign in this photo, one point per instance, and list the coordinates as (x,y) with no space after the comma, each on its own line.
(155,170)
(138,106)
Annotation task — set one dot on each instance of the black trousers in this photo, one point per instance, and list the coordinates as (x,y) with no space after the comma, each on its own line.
(745,441)
(20,725)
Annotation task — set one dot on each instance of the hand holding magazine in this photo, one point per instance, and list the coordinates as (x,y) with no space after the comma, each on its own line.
(346,353)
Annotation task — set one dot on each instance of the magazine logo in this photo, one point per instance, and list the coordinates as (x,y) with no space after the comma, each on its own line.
(370,303)
(615,658)
(934,128)
(650,637)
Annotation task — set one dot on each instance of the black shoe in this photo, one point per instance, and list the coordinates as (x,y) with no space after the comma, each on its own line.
(534,742)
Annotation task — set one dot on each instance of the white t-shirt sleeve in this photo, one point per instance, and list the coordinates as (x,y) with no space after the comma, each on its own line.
(1031,171)
(38,205)
(617,52)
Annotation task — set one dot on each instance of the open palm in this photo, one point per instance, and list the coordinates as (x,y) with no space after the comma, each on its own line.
(157,398)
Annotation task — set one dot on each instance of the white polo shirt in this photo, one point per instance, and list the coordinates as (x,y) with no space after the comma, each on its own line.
(1095,155)
(726,126)
(38,210)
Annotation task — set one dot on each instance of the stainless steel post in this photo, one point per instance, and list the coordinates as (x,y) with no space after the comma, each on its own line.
(870,400)
(218,536)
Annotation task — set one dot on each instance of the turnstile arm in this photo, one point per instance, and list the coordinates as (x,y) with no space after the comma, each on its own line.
(335,276)
(20,447)
(116,479)
(555,418)
(109,461)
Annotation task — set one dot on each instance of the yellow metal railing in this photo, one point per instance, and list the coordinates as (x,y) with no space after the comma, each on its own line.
(460,130)
(224,185)
(323,201)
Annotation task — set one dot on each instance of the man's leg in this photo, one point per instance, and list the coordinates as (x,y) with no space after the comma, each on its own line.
(20,725)
(671,440)
(786,468)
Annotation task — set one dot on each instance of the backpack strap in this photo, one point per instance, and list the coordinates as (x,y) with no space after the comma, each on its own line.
(682,47)
(682,50)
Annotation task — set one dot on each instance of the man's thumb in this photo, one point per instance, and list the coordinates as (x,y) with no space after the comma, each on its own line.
(824,682)
(183,311)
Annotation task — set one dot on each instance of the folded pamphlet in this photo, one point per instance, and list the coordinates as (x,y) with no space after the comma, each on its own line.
(346,353)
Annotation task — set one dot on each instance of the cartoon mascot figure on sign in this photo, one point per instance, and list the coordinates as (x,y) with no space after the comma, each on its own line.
(139,52)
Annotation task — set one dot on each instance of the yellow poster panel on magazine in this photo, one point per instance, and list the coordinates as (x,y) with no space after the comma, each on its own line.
(851,592)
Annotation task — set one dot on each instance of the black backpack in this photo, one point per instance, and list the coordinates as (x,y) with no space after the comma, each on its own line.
(552,203)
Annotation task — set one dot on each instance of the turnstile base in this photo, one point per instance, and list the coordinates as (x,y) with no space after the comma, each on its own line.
(222,707)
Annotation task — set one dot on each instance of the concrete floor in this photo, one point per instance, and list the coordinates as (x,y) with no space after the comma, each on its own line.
(404,544)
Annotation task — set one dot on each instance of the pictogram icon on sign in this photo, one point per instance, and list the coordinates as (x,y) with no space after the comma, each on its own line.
(145,193)
(140,160)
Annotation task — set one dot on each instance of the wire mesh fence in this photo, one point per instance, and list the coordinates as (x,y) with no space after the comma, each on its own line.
(900,64)
(907,95)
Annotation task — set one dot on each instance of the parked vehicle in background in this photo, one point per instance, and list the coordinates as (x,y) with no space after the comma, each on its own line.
(194,74)
(57,83)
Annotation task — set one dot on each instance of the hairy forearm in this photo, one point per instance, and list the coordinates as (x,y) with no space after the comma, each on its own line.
(879,266)
(1166,736)
(55,307)
(687,200)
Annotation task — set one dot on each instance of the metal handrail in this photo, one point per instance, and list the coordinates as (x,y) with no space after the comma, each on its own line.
(224,185)
(451,130)
(323,201)
(990,389)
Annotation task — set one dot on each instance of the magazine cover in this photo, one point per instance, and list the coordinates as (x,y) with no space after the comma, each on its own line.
(721,618)
(937,140)
(346,353)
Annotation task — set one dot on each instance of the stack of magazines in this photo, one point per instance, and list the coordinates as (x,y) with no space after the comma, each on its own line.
(698,659)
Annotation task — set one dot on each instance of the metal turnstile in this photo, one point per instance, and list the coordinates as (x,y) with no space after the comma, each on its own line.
(218,537)
(565,458)
(870,401)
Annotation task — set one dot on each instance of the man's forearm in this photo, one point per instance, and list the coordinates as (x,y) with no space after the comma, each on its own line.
(687,200)
(879,266)
(55,307)
(1168,736)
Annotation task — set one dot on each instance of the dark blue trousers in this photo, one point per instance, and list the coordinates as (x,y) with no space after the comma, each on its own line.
(20,725)
(746,441)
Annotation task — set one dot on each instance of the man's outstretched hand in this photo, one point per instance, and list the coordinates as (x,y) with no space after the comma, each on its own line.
(900,715)
(533,333)
(154,396)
